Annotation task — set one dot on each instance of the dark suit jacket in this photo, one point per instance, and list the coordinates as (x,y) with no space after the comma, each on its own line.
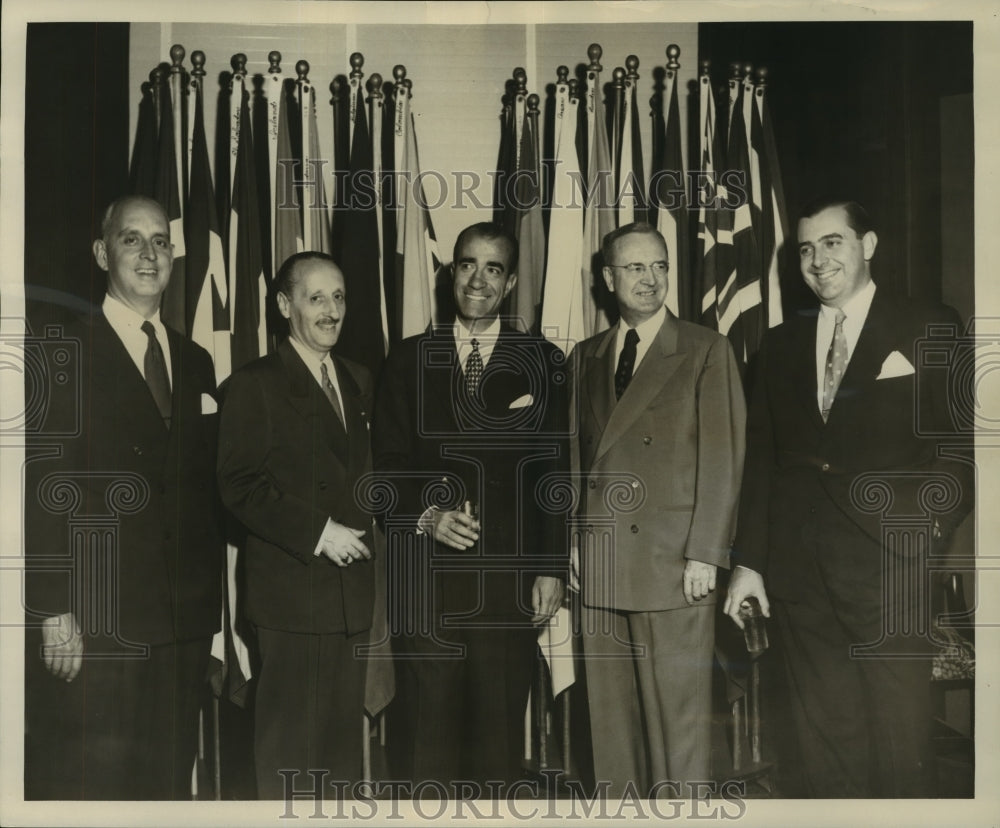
(661,467)
(285,466)
(893,426)
(152,488)
(435,446)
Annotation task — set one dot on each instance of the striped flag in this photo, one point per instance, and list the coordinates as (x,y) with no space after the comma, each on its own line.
(709,215)
(315,226)
(286,221)
(526,297)
(631,177)
(671,200)
(562,308)
(774,215)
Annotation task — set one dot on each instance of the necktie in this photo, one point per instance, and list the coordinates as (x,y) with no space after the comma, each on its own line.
(331,394)
(473,368)
(836,364)
(154,367)
(626,363)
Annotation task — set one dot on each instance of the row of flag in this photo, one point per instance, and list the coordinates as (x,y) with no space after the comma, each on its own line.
(272,200)
(724,276)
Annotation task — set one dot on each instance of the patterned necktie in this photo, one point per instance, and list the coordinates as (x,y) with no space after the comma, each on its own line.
(154,368)
(836,364)
(473,369)
(626,363)
(331,394)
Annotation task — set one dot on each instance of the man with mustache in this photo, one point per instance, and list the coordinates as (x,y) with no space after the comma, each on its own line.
(293,444)
(470,433)
(843,413)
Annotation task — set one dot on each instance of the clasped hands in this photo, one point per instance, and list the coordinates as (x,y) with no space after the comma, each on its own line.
(698,579)
(342,544)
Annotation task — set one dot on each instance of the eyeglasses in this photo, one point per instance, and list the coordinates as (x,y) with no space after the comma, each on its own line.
(638,269)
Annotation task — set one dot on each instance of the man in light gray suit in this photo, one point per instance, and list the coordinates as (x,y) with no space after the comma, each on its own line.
(660,419)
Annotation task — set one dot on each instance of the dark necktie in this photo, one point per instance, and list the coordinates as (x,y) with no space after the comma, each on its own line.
(331,394)
(473,369)
(626,363)
(154,368)
(836,364)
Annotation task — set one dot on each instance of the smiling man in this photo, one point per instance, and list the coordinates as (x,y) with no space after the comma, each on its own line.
(130,610)
(293,444)
(470,428)
(659,413)
(836,404)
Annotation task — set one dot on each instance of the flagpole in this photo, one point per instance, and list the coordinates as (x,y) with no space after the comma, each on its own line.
(357,60)
(520,111)
(177,53)
(376,105)
(303,91)
(274,85)
(618,78)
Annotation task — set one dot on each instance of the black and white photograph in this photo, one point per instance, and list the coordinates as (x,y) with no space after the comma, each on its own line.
(501,412)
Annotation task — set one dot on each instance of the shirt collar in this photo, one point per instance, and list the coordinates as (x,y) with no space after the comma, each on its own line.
(462,334)
(855,308)
(120,314)
(313,362)
(647,329)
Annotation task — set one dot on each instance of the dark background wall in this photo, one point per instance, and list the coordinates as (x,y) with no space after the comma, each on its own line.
(866,109)
(75,155)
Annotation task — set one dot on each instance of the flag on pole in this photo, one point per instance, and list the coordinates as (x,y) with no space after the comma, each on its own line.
(208,289)
(774,215)
(631,176)
(671,201)
(506,157)
(248,288)
(168,193)
(709,215)
(286,221)
(599,209)
(142,174)
(526,297)
(562,308)
(315,229)
(417,257)
(363,338)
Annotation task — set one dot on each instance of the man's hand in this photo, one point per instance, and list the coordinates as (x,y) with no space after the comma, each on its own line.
(62,646)
(574,568)
(343,545)
(699,580)
(744,584)
(455,529)
(546,598)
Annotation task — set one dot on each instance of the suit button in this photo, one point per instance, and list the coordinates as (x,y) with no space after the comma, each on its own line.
(592,484)
(647,440)
(812,510)
(635,529)
(137,451)
(322,484)
(825,467)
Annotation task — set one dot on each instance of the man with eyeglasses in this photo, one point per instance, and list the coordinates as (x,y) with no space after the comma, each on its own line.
(659,439)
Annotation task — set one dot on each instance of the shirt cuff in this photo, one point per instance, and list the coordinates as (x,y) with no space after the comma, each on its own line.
(425,524)
(319,545)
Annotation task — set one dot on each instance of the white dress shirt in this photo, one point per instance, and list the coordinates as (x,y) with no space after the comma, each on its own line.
(647,333)
(313,363)
(487,340)
(855,313)
(127,323)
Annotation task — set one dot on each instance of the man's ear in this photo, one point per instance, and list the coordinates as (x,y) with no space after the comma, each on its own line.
(100,253)
(283,304)
(609,278)
(869,242)
(511,281)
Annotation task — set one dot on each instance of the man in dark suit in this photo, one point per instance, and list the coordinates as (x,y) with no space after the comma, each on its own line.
(845,439)
(470,432)
(130,584)
(661,417)
(293,443)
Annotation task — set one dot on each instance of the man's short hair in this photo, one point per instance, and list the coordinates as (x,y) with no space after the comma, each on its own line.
(858,218)
(491,232)
(286,277)
(636,227)
(115,206)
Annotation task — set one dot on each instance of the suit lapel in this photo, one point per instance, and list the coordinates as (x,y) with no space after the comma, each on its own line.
(355,415)
(802,370)
(600,378)
(657,367)
(309,400)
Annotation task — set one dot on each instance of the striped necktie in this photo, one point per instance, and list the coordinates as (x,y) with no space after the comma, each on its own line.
(331,394)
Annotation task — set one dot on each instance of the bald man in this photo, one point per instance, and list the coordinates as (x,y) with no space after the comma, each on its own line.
(124,540)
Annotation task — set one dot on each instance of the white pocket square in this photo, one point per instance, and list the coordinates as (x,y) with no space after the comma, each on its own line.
(522,402)
(208,404)
(895,365)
